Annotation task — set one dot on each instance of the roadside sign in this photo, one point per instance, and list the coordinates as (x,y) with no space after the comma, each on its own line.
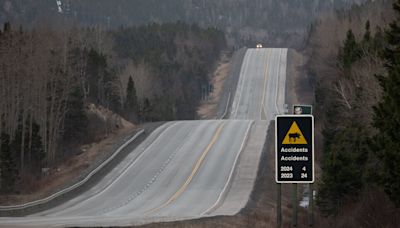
(302,109)
(294,145)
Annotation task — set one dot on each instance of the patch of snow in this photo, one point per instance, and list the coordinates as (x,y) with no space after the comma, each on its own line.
(59,4)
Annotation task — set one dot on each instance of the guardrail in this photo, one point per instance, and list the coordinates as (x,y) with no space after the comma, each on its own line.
(72,187)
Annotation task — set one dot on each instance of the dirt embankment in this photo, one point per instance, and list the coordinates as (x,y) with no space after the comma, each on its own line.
(224,80)
(208,108)
(115,130)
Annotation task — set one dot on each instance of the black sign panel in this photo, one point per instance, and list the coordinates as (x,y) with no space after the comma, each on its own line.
(294,145)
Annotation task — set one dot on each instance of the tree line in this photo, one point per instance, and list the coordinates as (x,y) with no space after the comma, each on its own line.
(357,75)
(272,22)
(49,77)
(178,58)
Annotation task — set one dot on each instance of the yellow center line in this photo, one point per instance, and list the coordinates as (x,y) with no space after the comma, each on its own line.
(265,85)
(193,173)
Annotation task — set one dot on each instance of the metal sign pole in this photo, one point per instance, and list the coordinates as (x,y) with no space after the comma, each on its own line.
(294,204)
(294,155)
(311,205)
(307,109)
(279,206)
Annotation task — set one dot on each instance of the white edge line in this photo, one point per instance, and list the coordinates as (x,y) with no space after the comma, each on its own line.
(231,173)
(66,190)
(282,80)
(278,84)
(126,168)
(70,188)
(276,149)
(160,207)
(242,80)
(226,107)
(266,77)
(131,164)
(239,86)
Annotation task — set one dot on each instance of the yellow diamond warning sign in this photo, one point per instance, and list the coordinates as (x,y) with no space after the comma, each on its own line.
(294,135)
(294,149)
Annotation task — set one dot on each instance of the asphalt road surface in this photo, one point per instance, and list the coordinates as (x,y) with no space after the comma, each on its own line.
(185,169)
(261,87)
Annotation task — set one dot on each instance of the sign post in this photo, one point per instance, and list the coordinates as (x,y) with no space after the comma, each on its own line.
(294,157)
(298,110)
(279,206)
(294,149)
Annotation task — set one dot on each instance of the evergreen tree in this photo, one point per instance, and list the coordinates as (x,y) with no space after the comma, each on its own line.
(8,167)
(343,167)
(387,114)
(102,81)
(378,42)
(36,151)
(367,41)
(147,110)
(350,53)
(7,27)
(367,34)
(76,121)
(131,103)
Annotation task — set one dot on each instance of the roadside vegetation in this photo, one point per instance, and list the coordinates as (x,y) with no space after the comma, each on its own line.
(51,81)
(354,58)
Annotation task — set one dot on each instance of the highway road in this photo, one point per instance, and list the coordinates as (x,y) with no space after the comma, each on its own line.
(260,93)
(185,169)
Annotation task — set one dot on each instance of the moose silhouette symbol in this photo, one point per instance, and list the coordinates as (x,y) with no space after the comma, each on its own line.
(294,136)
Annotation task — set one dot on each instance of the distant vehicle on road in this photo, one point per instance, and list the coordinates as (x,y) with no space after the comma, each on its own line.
(259,46)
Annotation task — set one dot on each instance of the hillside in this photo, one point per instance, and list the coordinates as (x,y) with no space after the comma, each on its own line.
(353,66)
(50,80)
(246,22)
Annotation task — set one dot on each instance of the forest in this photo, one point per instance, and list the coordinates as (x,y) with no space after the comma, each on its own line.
(245,22)
(50,78)
(353,56)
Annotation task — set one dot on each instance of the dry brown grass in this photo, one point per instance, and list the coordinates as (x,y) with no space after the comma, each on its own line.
(208,109)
